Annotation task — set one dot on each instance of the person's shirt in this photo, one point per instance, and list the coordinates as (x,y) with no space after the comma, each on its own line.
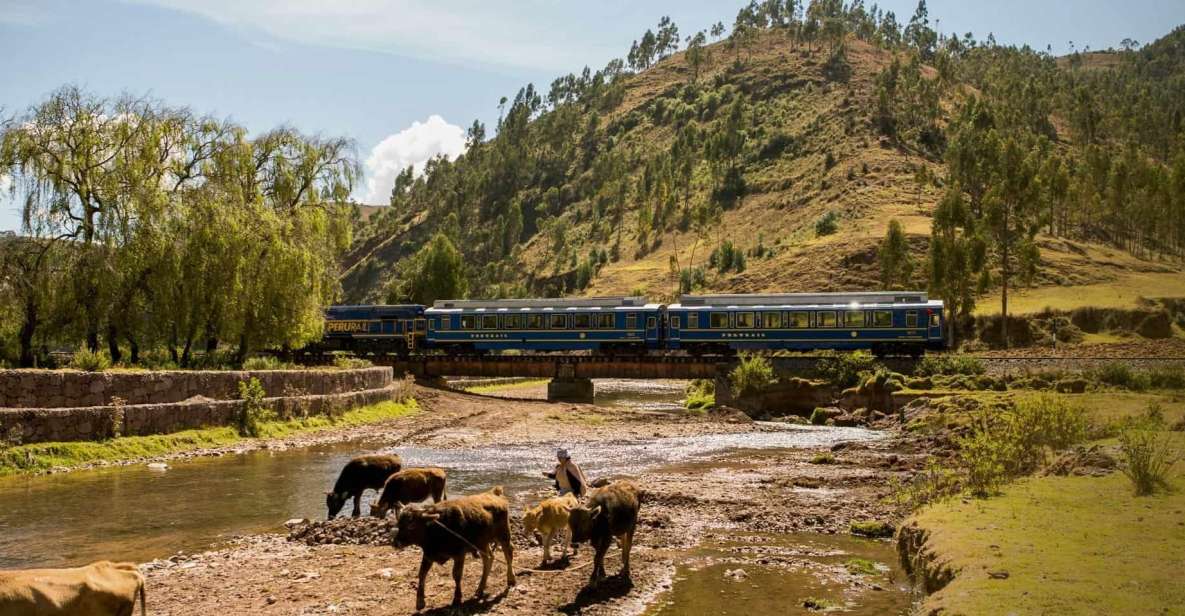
(570,478)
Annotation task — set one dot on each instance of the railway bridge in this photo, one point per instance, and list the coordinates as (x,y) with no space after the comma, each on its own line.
(571,375)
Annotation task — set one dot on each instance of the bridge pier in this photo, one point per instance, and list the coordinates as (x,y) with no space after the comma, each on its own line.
(570,389)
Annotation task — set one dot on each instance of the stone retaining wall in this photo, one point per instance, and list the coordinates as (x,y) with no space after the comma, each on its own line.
(43,389)
(154,408)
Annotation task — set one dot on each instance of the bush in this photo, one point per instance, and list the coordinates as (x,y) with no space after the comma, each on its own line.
(827,224)
(701,395)
(253,412)
(1119,374)
(819,416)
(1148,454)
(846,369)
(90,361)
(1167,378)
(344,362)
(752,375)
(115,416)
(265,362)
(932,365)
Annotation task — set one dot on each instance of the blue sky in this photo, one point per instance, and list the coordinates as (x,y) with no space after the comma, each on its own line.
(404,77)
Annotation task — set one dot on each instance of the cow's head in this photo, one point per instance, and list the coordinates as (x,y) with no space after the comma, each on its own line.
(581,520)
(412,528)
(531,521)
(334,502)
(380,508)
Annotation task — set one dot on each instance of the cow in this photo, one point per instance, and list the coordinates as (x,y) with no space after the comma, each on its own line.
(410,486)
(99,589)
(453,528)
(610,511)
(548,518)
(360,474)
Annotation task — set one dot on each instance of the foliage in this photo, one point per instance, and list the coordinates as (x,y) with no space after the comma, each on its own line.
(90,361)
(701,395)
(254,410)
(824,457)
(895,260)
(819,416)
(846,369)
(266,362)
(870,528)
(436,272)
(950,363)
(115,416)
(1148,455)
(860,566)
(345,362)
(752,374)
(827,224)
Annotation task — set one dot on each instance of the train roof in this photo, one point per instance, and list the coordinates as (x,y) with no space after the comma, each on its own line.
(571,303)
(881,299)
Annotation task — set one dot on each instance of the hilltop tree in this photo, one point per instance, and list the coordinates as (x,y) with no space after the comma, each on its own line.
(919,34)
(697,54)
(895,260)
(956,255)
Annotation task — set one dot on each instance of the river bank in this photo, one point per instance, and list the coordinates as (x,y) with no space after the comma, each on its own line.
(702,484)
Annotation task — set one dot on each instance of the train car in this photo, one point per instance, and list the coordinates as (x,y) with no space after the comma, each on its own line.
(882,322)
(374,329)
(605,324)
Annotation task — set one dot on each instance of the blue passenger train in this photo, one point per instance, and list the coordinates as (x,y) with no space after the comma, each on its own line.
(881,322)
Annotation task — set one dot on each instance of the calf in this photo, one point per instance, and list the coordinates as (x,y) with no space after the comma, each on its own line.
(548,518)
(611,511)
(359,475)
(410,486)
(453,528)
(98,589)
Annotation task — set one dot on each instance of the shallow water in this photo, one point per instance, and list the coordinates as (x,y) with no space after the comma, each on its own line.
(778,573)
(135,513)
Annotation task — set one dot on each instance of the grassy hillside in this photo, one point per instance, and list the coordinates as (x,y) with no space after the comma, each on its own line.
(575,195)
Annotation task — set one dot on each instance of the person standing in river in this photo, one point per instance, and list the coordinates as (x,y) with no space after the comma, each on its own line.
(567,475)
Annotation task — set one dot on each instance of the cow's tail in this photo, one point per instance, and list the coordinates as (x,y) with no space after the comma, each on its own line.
(143,602)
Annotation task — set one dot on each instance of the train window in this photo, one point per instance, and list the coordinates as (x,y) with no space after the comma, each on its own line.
(467,321)
(798,320)
(746,319)
(535,321)
(771,320)
(444,323)
(651,323)
(580,321)
(825,319)
(882,318)
(675,322)
(559,321)
(718,320)
(421,325)
(935,320)
(631,321)
(489,321)
(512,321)
(605,321)
(911,318)
(853,318)
(693,320)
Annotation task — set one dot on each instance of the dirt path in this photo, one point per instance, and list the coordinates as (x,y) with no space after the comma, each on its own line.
(767,490)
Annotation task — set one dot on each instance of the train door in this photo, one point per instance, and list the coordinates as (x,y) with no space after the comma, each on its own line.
(652,329)
(934,324)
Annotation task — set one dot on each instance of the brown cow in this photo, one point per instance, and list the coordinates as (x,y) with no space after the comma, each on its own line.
(549,518)
(98,589)
(362,473)
(453,528)
(611,511)
(410,486)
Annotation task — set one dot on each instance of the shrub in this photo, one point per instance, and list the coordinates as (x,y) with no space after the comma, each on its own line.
(827,224)
(115,416)
(819,416)
(933,483)
(90,361)
(871,528)
(1167,378)
(266,362)
(253,412)
(752,375)
(959,363)
(1119,374)
(701,395)
(1148,456)
(344,362)
(846,369)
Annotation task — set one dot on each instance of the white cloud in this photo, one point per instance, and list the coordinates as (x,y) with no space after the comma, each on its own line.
(412,146)
(535,34)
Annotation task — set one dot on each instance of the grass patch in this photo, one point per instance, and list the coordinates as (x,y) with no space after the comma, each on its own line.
(44,456)
(497,387)
(823,458)
(871,528)
(861,566)
(1070,545)
(701,395)
(1125,291)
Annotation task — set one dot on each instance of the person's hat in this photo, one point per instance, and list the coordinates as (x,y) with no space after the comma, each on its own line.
(562,453)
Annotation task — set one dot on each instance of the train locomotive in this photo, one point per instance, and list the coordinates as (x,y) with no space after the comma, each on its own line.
(884,323)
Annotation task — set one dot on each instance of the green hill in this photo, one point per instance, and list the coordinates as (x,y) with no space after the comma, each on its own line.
(774,159)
